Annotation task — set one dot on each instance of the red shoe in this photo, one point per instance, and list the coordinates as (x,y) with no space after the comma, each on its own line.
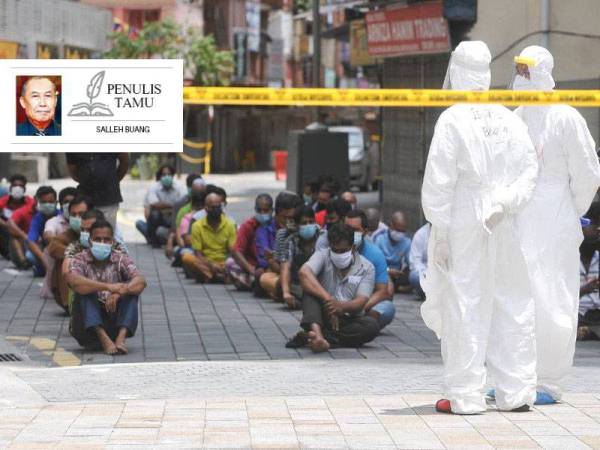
(443,406)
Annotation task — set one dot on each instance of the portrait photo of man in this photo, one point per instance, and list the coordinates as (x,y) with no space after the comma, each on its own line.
(38,106)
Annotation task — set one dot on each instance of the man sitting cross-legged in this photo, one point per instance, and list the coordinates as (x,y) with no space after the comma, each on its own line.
(107,284)
(212,238)
(337,284)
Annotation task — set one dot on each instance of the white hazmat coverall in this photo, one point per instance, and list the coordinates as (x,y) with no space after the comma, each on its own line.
(480,172)
(569,178)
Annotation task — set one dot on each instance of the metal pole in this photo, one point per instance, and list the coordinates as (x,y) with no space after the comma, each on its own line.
(544,22)
(316,82)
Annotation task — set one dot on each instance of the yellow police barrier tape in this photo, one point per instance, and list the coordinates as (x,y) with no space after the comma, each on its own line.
(381,97)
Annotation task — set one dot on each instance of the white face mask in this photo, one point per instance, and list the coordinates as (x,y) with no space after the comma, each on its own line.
(341,260)
(17,192)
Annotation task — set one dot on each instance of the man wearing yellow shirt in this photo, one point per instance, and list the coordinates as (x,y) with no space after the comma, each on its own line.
(213,238)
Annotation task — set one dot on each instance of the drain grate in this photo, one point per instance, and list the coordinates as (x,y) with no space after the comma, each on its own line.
(9,357)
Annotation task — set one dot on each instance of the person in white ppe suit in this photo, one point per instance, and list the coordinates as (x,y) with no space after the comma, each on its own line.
(481,170)
(569,178)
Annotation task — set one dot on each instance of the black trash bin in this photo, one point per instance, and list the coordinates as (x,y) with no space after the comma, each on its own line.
(315,153)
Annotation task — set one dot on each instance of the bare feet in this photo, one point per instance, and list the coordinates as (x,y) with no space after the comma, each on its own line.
(108,345)
(122,349)
(120,341)
(317,343)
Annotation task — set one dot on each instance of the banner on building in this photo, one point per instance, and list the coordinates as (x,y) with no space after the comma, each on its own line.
(405,30)
(240,52)
(359,51)
(253,24)
(276,66)
(92,106)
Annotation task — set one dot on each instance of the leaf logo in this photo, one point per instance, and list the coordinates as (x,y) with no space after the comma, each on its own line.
(93,89)
(92,109)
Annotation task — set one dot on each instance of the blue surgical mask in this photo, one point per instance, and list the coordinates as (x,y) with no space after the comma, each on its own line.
(263,219)
(101,251)
(308,231)
(358,239)
(308,200)
(397,236)
(65,210)
(84,239)
(167,180)
(75,224)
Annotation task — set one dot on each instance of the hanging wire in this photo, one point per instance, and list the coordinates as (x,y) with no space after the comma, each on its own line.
(559,32)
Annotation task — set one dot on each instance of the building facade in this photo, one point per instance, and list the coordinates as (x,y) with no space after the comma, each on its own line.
(132,14)
(507,27)
(52,29)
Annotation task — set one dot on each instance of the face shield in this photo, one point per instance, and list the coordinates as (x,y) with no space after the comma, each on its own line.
(521,74)
(529,76)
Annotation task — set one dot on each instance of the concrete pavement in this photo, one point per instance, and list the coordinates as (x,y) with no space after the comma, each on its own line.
(208,369)
(181,320)
(379,404)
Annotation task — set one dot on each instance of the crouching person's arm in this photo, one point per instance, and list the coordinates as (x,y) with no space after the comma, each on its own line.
(77,279)
(135,286)
(84,286)
(380,294)
(364,290)
(308,277)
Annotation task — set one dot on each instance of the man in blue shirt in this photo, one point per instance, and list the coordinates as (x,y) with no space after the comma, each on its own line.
(395,245)
(380,305)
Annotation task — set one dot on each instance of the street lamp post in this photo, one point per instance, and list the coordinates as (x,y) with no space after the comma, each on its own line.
(316,31)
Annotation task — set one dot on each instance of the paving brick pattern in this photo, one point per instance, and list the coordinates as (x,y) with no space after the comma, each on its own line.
(181,320)
(359,422)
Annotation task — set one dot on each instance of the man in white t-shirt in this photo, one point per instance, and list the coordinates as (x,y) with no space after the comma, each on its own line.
(418,258)
(60,223)
(159,206)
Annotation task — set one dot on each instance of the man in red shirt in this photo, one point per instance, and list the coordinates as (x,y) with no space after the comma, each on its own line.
(326,195)
(11,204)
(242,266)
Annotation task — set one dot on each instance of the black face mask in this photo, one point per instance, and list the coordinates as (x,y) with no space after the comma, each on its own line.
(214,214)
